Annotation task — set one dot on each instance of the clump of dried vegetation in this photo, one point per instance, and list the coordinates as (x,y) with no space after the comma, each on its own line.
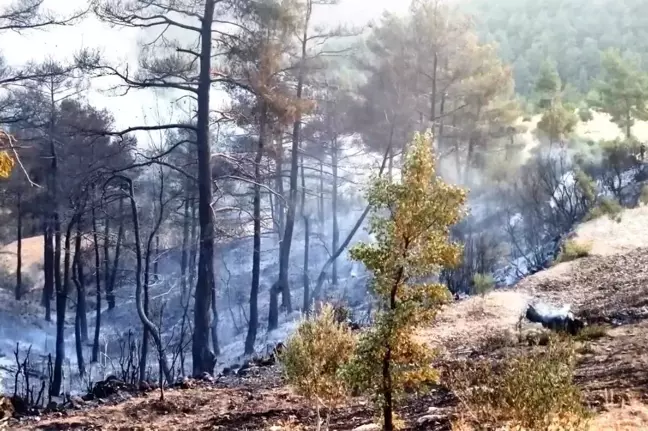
(534,391)
(573,250)
(592,332)
(313,359)
(606,207)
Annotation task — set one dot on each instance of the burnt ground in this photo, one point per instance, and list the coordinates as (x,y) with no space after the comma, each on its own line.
(612,370)
(258,402)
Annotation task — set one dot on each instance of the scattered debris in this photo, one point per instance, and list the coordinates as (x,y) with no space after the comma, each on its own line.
(109,387)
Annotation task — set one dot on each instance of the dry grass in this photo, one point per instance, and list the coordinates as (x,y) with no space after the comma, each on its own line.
(531,390)
(32,258)
(609,237)
(472,321)
(632,416)
(203,408)
(610,284)
(573,250)
(593,332)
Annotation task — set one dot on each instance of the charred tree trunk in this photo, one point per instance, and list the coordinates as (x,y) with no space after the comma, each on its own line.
(79,280)
(61,303)
(628,127)
(62,289)
(110,290)
(36,222)
(214,323)
(53,227)
(48,266)
(203,357)
(469,156)
(334,209)
(472,146)
(253,323)
(284,251)
(80,317)
(390,151)
(439,136)
(305,277)
(110,298)
(97,331)
(320,208)
(148,324)
(19,288)
(184,259)
(79,345)
(145,306)
(433,95)
(306,218)
(280,213)
(156,261)
(193,248)
(387,380)
(322,275)
(147,278)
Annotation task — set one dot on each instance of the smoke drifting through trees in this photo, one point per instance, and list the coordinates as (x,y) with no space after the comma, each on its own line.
(267,169)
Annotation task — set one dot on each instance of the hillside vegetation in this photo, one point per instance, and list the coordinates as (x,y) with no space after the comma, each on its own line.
(608,287)
(436,221)
(571,33)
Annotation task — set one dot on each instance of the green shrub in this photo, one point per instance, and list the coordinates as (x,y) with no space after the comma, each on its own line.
(314,356)
(533,391)
(573,250)
(606,206)
(482,284)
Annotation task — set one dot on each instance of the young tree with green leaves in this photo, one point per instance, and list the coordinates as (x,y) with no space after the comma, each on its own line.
(622,91)
(411,223)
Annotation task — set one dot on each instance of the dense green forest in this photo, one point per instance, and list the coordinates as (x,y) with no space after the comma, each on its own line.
(571,33)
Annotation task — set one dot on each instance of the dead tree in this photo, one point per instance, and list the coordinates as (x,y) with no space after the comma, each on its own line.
(188,69)
(146,321)
(147,273)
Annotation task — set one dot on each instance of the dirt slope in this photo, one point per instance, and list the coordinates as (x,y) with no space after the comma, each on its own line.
(609,287)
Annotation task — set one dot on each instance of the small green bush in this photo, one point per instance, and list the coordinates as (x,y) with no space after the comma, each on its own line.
(533,391)
(314,357)
(606,206)
(482,284)
(573,250)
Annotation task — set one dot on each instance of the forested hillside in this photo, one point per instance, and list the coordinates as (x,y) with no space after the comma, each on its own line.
(572,33)
(316,197)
